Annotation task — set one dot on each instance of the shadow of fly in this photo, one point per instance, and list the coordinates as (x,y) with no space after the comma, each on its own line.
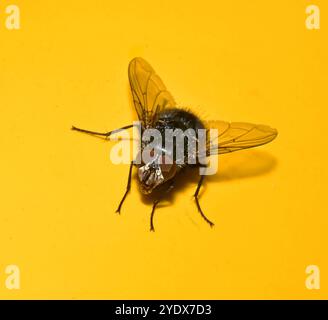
(158,165)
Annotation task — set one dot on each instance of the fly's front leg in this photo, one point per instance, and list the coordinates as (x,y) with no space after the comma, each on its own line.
(170,187)
(128,187)
(106,134)
(197,203)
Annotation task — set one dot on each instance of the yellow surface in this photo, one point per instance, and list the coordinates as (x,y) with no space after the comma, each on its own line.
(232,60)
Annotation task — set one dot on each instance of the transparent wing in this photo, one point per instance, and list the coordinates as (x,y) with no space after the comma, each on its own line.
(149,92)
(236,136)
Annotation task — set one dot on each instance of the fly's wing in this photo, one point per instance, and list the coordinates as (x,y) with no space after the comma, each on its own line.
(149,92)
(236,136)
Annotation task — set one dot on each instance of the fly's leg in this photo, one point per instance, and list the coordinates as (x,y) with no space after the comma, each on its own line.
(170,187)
(106,134)
(128,187)
(197,203)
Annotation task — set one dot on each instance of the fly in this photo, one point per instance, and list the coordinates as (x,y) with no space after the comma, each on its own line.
(156,109)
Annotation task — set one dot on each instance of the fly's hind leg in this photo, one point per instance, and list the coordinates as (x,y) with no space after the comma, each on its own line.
(169,188)
(128,187)
(197,203)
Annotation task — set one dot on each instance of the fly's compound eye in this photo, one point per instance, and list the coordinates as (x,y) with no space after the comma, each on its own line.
(168,167)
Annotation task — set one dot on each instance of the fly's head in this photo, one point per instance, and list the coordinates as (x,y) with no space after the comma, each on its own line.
(156,172)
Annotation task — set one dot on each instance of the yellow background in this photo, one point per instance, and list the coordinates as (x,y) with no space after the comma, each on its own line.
(232,60)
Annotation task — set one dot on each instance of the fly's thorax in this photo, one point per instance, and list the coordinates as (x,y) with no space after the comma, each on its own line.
(180,144)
